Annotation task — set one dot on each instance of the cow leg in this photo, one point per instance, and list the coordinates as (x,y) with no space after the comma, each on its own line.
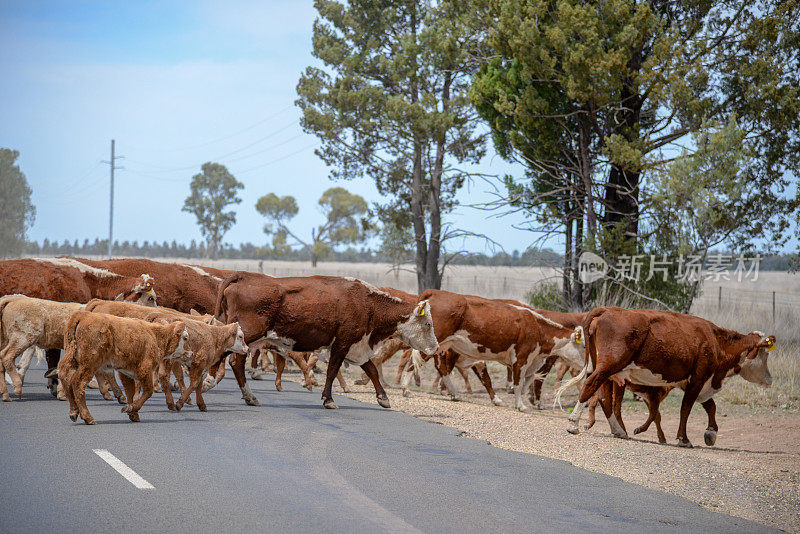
(103,385)
(520,369)
(334,364)
(652,397)
(710,435)
(305,366)
(372,373)
(79,382)
(693,389)
(145,393)
(65,382)
(465,375)
(610,410)
(447,361)
(486,380)
(237,364)
(407,370)
(280,365)
(163,379)
(343,384)
(215,373)
(509,380)
(538,377)
(198,397)
(592,419)
(405,359)
(3,388)
(195,384)
(575,417)
(129,385)
(9,356)
(25,361)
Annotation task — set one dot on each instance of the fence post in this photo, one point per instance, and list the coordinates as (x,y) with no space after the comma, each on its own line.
(773,309)
(719,299)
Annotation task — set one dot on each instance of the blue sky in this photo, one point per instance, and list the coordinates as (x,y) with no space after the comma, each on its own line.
(176,84)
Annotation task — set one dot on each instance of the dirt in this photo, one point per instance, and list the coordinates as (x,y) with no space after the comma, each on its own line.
(753,471)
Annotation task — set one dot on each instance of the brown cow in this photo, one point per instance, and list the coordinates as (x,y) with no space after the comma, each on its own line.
(346,315)
(484,329)
(67,280)
(180,287)
(135,348)
(207,335)
(662,349)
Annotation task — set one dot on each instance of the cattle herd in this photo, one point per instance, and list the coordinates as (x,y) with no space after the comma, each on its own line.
(141,321)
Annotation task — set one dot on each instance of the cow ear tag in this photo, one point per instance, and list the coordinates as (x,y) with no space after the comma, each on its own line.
(421,312)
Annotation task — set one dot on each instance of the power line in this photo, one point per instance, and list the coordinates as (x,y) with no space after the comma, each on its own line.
(165,170)
(225,138)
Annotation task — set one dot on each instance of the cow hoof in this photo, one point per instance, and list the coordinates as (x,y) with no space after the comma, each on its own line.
(573,429)
(252,401)
(684,443)
(73,417)
(108,397)
(90,421)
(6,398)
(329,404)
(384,401)
(588,425)
(202,408)
(134,417)
(51,373)
(173,407)
(638,430)
(406,393)
(280,387)
(122,400)
(620,435)
(710,437)
(361,382)
(497,401)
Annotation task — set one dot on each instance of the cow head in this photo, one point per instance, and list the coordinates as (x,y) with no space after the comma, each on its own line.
(417,330)
(180,351)
(142,293)
(754,364)
(237,342)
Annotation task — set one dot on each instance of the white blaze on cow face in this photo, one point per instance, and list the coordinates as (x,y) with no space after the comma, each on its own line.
(755,369)
(417,330)
(181,352)
(239,346)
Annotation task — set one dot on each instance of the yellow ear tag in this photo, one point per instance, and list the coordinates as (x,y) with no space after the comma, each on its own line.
(771,347)
(421,312)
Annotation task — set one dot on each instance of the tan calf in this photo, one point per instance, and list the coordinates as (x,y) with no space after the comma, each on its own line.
(133,347)
(27,322)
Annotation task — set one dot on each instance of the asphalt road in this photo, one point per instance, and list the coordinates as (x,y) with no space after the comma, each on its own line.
(291,465)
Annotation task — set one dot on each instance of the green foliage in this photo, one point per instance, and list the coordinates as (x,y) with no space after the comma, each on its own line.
(546,296)
(346,222)
(212,191)
(596,99)
(391,104)
(16,211)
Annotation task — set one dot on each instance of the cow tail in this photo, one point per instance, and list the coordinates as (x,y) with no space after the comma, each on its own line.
(71,343)
(221,307)
(588,339)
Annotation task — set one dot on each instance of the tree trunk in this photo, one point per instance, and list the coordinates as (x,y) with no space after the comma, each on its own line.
(314,261)
(565,274)
(622,188)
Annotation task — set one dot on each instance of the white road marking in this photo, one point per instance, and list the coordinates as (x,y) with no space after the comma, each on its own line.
(120,467)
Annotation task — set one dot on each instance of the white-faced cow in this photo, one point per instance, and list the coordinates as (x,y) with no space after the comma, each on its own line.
(347,316)
(474,329)
(665,349)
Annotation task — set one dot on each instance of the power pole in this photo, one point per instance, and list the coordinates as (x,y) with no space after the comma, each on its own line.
(112,164)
